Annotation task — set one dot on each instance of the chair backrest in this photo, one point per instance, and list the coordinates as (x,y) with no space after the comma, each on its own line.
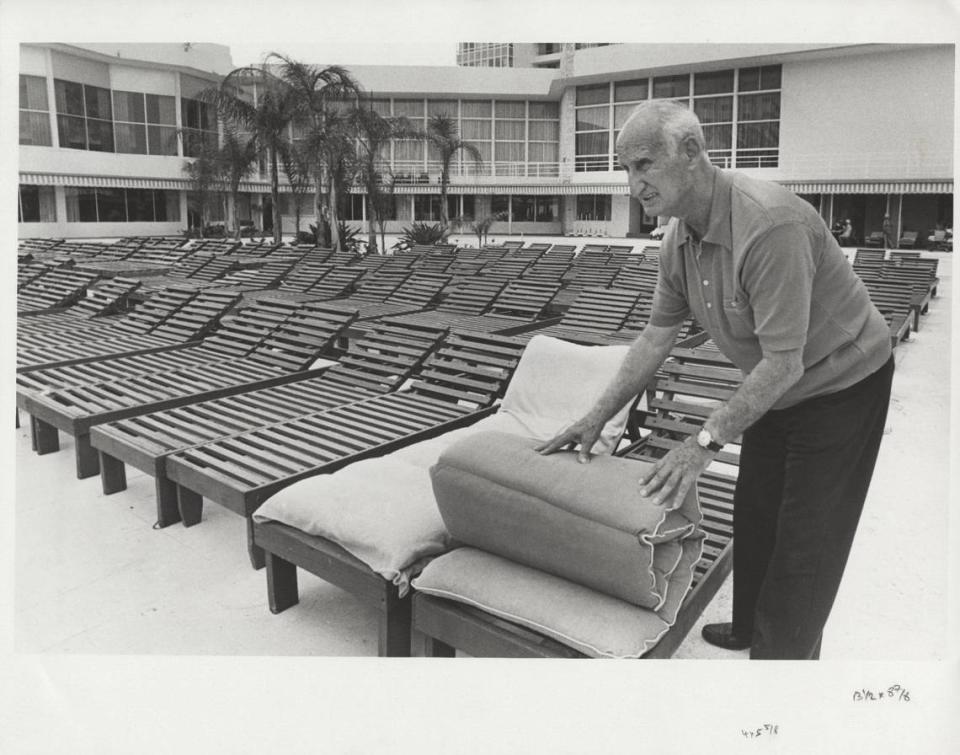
(600,310)
(470,369)
(524,298)
(307,333)
(385,356)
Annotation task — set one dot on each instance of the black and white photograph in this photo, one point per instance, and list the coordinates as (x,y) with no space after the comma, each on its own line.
(357,366)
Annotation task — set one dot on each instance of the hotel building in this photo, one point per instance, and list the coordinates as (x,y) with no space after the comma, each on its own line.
(858,130)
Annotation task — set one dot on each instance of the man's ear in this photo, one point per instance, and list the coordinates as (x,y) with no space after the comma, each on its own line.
(690,147)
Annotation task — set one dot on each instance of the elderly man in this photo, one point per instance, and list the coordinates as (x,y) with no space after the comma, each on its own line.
(761,272)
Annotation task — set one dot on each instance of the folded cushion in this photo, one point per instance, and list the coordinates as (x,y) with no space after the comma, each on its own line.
(558,382)
(586,523)
(588,621)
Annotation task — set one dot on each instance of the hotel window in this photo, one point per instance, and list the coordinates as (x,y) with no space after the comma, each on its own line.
(535,209)
(36,204)
(353,207)
(199,126)
(509,138)
(34,112)
(713,104)
(758,118)
(145,124)
(426,207)
(593,128)
(446,108)
(739,111)
(593,207)
(116,205)
(476,127)
(543,139)
(408,153)
(84,116)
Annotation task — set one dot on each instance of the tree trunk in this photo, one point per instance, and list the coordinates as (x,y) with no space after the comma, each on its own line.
(332,213)
(275,195)
(371,220)
(232,221)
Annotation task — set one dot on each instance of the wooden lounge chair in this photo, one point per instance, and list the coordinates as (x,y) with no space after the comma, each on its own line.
(376,364)
(894,300)
(240,335)
(277,357)
(169,320)
(59,288)
(102,299)
(517,308)
(684,397)
(595,313)
(908,240)
(456,386)
(875,239)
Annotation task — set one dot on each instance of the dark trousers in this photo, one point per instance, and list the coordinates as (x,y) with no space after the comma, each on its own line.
(804,475)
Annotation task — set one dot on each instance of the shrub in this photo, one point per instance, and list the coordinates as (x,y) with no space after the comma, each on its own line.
(422,233)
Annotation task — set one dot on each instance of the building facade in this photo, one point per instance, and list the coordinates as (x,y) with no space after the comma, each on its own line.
(859,131)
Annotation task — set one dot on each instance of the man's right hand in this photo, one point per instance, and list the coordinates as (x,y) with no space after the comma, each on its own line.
(584,432)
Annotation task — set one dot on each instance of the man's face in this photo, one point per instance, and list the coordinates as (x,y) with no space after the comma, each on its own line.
(659,181)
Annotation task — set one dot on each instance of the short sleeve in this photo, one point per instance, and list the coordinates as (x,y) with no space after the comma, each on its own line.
(777,276)
(670,305)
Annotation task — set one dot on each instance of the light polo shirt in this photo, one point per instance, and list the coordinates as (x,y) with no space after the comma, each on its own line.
(768,276)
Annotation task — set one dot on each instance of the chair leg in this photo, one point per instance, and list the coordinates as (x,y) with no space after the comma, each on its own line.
(281,583)
(395,627)
(190,505)
(168,509)
(88,462)
(113,474)
(46,437)
(256,553)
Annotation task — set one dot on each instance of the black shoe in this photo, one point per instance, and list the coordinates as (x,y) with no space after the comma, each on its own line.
(723,636)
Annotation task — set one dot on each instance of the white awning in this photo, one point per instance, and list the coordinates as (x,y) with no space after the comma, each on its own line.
(870,187)
(558,188)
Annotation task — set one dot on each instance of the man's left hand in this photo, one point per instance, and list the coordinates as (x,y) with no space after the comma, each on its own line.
(670,478)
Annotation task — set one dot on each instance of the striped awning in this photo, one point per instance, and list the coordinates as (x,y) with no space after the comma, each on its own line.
(870,187)
(508,188)
(553,189)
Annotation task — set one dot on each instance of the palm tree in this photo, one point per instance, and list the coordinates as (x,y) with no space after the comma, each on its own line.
(238,156)
(204,173)
(267,119)
(374,133)
(443,136)
(318,90)
(296,165)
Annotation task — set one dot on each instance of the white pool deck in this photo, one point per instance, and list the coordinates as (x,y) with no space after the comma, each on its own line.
(91,576)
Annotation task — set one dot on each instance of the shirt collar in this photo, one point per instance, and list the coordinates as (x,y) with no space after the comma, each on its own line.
(718,227)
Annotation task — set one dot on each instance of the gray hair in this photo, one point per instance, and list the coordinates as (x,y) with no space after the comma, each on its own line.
(677,123)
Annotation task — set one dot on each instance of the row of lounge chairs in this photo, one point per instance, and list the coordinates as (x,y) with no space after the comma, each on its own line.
(246,413)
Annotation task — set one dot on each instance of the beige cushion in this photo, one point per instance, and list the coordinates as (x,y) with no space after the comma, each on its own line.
(588,621)
(586,523)
(557,382)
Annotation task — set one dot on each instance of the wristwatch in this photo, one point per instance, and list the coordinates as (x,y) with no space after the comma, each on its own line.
(705,440)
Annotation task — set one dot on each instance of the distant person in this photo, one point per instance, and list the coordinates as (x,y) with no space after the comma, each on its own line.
(888,235)
(846,236)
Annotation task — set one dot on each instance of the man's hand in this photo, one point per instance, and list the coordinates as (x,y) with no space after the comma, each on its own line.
(584,431)
(670,478)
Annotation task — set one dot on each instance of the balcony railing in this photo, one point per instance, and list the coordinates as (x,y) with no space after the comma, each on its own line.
(414,171)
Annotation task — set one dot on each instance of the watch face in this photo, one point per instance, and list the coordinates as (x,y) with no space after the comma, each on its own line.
(704,438)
